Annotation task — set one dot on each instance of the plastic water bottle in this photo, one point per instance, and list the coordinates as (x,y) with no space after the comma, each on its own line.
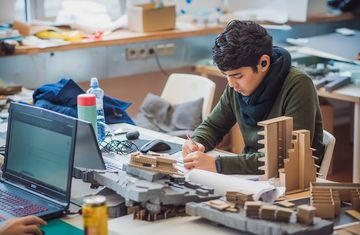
(100,116)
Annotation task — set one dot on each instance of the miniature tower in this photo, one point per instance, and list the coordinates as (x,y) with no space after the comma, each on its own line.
(299,168)
(277,141)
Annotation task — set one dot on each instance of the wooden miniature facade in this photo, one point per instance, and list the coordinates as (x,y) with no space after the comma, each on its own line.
(287,154)
(326,201)
(299,168)
(157,163)
(277,140)
(327,197)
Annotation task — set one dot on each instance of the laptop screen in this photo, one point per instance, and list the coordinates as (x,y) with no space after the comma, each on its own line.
(39,150)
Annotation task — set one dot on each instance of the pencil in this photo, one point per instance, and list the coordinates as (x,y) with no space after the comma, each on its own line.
(192,141)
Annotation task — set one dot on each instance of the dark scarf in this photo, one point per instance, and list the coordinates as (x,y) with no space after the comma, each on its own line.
(255,108)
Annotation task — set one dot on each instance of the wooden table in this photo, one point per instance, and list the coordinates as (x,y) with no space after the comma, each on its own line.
(124,36)
(349,93)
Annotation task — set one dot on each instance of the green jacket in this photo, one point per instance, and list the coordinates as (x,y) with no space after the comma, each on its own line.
(297,99)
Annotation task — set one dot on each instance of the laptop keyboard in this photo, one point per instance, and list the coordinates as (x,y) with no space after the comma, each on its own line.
(18,206)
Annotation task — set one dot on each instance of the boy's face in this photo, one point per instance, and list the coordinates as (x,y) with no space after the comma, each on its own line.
(244,80)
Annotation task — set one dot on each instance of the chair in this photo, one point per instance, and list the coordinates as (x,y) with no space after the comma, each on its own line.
(329,141)
(181,88)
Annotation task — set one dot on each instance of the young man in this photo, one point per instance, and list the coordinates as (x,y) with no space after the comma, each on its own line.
(262,85)
(22,226)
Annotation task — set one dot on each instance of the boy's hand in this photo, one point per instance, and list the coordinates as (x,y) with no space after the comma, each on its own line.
(199,160)
(191,146)
(21,226)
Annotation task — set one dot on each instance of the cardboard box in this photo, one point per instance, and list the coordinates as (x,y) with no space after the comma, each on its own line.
(148,18)
(302,10)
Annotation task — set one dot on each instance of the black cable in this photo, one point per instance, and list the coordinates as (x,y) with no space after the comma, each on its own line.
(152,51)
(121,147)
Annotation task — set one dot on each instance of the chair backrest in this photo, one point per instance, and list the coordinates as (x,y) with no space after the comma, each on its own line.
(181,88)
(329,141)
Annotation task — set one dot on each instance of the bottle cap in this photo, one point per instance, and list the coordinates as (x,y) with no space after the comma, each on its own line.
(94,83)
(86,99)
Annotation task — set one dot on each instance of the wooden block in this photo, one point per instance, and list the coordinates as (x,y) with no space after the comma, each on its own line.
(218,204)
(285,204)
(305,214)
(325,211)
(283,214)
(252,205)
(355,229)
(354,214)
(342,232)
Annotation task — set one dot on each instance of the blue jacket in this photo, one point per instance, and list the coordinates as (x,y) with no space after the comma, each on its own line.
(62,97)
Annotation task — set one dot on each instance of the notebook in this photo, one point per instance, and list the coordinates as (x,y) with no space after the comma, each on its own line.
(40,147)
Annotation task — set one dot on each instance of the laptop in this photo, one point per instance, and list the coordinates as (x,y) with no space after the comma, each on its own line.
(87,152)
(89,156)
(38,165)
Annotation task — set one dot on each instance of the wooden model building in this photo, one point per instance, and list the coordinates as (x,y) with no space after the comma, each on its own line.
(252,209)
(327,202)
(239,197)
(267,212)
(299,168)
(157,163)
(287,154)
(305,214)
(327,197)
(283,214)
(277,140)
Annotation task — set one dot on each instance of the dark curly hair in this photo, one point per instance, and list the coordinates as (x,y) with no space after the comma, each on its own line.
(241,45)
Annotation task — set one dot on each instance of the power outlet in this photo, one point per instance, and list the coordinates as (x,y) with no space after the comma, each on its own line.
(131,54)
(142,52)
(145,51)
(136,53)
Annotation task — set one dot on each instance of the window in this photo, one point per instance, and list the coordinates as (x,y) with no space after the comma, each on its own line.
(48,9)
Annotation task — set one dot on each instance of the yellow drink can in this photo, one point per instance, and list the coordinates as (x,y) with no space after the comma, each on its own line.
(95,216)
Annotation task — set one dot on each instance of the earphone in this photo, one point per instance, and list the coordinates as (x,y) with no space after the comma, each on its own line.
(263,63)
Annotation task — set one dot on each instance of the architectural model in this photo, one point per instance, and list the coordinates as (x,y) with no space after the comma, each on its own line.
(327,197)
(149,195)
(260,218)
(157,163)
(287,154)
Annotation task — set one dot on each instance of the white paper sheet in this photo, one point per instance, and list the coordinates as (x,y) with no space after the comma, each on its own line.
(262,190)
